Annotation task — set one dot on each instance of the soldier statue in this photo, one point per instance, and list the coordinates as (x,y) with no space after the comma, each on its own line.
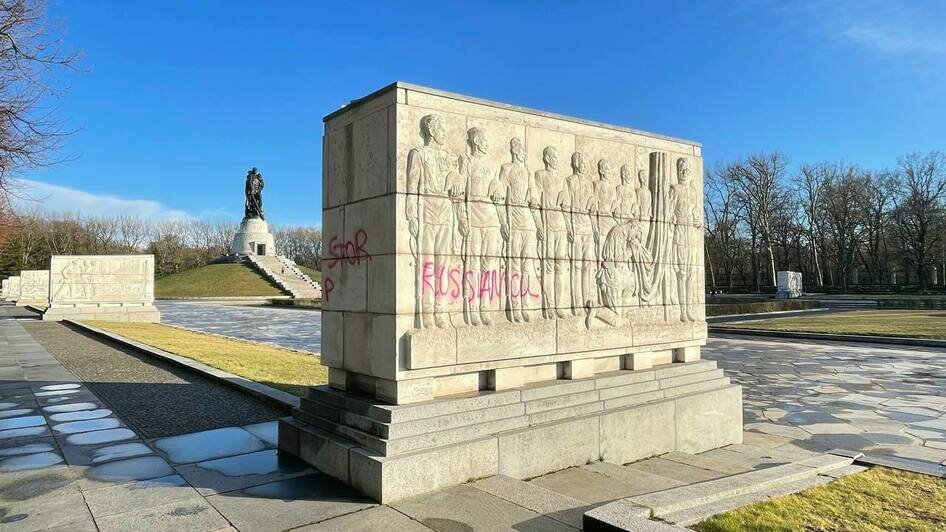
(254,195)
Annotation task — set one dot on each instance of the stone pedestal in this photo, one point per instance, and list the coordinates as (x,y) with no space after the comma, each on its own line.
(505,291)
(101,287)
(253,238)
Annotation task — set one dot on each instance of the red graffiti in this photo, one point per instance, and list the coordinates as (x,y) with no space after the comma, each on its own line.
(490,285)
(351,251)
(327,286)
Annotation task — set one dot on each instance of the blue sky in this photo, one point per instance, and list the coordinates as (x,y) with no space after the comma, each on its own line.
(175,100)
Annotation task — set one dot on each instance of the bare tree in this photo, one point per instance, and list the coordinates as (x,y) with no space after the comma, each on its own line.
(723,213)
(759,178)
(845,201)
(809,185)
(919,205)
(31,57)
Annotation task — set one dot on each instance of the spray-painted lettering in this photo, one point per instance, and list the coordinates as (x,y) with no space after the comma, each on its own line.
(491,285)
(351,251)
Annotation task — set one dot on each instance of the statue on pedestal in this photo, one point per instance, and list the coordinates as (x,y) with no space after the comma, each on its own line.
(254,195)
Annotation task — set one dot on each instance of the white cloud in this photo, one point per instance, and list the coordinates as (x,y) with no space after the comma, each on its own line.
(892,38)
(57,198)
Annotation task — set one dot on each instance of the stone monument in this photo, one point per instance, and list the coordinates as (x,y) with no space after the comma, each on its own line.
(253,236)
(102,287)
(498,301)
(788,284)
(34,288)
(13,288)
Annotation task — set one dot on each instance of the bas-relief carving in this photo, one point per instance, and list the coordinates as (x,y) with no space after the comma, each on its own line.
(115,279)
(34,284)
(508,242)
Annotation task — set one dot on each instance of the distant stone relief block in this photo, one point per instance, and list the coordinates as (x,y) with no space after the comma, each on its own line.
(102,287)
(34,288)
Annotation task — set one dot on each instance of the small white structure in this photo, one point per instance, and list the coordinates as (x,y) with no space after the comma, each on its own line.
(788,284)
(34,288)
(102,287)
(12,293)
(253,238)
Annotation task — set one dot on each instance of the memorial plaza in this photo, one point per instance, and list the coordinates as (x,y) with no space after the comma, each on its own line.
(251,280)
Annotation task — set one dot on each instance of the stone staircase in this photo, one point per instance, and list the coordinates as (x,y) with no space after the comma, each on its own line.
(286,274)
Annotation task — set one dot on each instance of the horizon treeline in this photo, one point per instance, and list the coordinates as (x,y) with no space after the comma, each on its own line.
(27,240)
(846,228)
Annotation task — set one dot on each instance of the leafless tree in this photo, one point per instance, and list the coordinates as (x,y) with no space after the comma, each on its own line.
(919,206)
(759,178)
(723,213)
(32,58)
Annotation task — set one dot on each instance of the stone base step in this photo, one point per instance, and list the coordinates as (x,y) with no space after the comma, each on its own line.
(690,504)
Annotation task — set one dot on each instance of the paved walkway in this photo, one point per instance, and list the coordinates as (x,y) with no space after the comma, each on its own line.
(887,402)
(286,327)
(71,460)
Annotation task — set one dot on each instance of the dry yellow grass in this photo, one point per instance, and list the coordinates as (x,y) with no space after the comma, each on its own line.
(876,500)
(280,368)
(908,323)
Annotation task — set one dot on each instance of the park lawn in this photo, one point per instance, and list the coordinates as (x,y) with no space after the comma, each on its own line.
(215,280)
(876,500)
(315,275)
(907,323)
(280,368)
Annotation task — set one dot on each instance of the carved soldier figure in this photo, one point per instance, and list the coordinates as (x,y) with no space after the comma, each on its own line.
(645,205)
(626,200)
(605,204)
(523,223)
(553,236)
(579,206)
(434,184)
(685,219)
(253,190)
(486,225)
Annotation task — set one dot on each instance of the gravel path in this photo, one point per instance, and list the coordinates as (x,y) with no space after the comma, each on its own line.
(156,398)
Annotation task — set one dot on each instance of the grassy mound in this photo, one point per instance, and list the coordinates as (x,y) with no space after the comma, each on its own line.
(215,280)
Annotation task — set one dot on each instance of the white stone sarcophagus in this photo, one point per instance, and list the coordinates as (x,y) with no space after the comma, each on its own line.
(102,287)
(505,291)
(34,288)
(788,284)
(12,292)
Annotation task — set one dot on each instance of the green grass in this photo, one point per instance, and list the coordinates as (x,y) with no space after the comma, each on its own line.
(906,323)
(280,368)
(215,280)
(879,499)
(771,305)
(315,275)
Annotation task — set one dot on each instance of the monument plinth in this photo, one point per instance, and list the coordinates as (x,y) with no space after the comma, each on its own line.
(505,291)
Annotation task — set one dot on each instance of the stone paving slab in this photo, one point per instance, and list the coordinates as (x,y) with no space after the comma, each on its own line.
(466,508)
(286,327)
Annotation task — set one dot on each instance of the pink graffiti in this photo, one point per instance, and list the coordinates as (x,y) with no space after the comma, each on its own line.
(351,251)
(327,286)
(491,285)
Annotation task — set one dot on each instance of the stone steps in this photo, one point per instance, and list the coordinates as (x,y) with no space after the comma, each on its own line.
(689,504)
(391,430)
(286,274)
